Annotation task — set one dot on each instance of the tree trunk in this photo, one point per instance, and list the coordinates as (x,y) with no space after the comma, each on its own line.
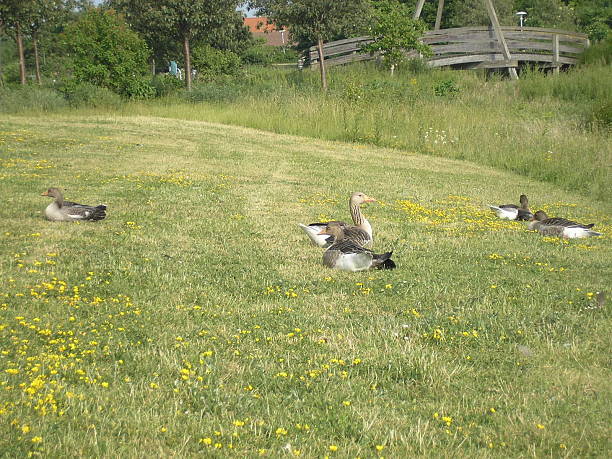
(187,54)
(19,39)
(36,59)
(153,68)
(322,64)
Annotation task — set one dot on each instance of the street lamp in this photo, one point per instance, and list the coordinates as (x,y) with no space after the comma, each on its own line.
(521,14)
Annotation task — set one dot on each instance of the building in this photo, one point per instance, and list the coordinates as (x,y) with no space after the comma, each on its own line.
(260,27)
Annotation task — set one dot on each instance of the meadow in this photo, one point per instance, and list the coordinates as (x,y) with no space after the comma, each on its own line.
(197,319)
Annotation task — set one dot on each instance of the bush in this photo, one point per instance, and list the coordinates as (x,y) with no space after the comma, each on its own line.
(88,95)
(165,84)
(107,53)
(210,62)
(262,54)
(139,88)
(30,98)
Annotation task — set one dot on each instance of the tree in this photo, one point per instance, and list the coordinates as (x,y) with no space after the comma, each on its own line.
(14,16)
(105,51)
(395,32)
(188,21)
(316,20)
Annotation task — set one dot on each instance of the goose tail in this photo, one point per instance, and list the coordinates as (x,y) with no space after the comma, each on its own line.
(99,213)
(383,261)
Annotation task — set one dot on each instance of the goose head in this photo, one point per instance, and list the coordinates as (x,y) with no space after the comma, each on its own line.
(359,198)
(53,193)
(524,202)
(333,229)
(540,216)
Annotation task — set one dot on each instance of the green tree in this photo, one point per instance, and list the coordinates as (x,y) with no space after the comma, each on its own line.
(185,21)
(106,52)
(14,18)
(593,17)
(315,20)
(395,32)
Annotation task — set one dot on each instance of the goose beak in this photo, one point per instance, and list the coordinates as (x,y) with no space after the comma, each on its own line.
(369,199)
(44,193)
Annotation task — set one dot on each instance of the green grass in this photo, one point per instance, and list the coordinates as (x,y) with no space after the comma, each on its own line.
(198,313)
(539,127)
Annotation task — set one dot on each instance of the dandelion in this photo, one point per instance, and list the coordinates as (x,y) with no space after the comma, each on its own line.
(540,426)
(380,447)
(36,439)
(280,431)
(333,448)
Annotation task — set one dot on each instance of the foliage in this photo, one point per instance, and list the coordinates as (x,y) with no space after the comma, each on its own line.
(210,62)
(106,52)
(259,53)
(593,17)
(187,22)
(313,20)
(394,32)
(30,99)
(165,83)
(446,88)
(545,13)
(88,95)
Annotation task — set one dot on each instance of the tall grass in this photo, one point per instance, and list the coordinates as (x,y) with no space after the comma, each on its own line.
(552,128)
(542,127)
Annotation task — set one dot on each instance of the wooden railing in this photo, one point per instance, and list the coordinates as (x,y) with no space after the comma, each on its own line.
(473,47)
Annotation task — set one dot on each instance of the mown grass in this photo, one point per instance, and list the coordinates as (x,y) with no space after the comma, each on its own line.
(197,319)
(540,127)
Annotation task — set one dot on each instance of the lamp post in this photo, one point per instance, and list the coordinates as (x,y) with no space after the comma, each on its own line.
(521,14)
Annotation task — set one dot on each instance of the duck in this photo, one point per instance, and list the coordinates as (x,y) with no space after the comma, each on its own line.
(560,227)
(360,232)
(346,255)
(66,211)
(514,212)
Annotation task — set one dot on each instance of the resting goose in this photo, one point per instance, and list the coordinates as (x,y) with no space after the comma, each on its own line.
(560,227)
(512,211)
(347,255)
(66,211)
(360,232)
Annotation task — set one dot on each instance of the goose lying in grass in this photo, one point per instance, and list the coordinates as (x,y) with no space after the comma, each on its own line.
(346,255)
(512,211)
(560,227)
(360,232)
(66,211)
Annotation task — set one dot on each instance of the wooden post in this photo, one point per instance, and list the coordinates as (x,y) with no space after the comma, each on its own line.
(439,15)
(555,50)
(500,37)
(419,8)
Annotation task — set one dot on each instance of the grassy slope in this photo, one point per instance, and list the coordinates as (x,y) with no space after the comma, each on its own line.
(233,334)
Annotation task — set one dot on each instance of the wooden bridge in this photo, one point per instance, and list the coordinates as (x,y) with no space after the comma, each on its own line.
(473,47)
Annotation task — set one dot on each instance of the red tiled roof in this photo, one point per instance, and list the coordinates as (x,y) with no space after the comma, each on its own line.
(260,24)
(260,27)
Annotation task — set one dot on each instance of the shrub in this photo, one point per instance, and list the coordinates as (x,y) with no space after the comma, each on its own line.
(165,84)
(211,62)
(139,88)
(88,95)
(106,52)
(446,88)
(30,98)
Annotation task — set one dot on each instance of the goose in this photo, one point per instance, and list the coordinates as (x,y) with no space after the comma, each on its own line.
(512,211)
(360,232)
(66,211)
(346,255)
(560,227)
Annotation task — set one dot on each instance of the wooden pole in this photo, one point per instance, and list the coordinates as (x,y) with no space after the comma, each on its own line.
(419,8)
(555,50)
(439,15)
(500,37)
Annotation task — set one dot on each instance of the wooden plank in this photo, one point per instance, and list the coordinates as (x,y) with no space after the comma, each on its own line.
(342,49)
(460,30)
(555,52)
(500,37)
(498,57)
(492,45)
(439,14)
(419,8)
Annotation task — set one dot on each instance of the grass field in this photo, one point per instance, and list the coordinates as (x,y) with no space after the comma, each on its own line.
(197,320)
